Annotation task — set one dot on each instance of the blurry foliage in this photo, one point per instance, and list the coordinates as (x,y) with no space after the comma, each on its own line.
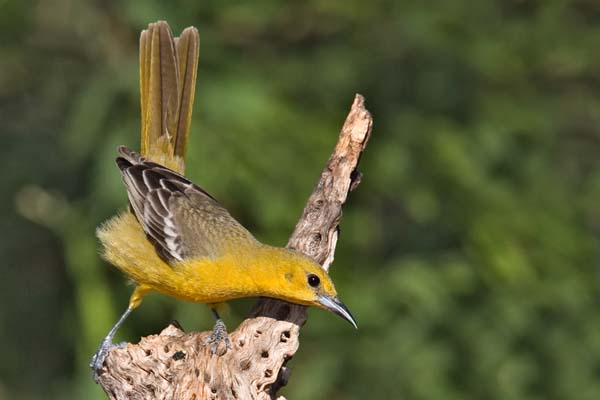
(469,254)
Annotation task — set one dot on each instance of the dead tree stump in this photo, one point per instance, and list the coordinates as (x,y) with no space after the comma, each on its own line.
(176,365)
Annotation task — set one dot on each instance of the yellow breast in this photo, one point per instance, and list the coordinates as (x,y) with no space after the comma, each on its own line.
(200,280)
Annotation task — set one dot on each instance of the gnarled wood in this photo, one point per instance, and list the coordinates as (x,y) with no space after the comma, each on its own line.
(177,365)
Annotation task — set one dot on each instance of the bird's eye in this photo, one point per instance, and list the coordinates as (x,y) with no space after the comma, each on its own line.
(313,280)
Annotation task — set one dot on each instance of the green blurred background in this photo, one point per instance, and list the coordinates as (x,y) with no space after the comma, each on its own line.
(469,254)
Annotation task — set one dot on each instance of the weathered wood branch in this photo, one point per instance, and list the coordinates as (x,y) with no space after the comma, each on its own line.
(176,365)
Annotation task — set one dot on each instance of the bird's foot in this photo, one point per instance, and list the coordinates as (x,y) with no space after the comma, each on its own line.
(100,355)
(219,334)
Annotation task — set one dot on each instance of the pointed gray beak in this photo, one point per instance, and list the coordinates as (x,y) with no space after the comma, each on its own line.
(337,307)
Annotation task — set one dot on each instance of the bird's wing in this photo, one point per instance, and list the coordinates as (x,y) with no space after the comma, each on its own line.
(181,219)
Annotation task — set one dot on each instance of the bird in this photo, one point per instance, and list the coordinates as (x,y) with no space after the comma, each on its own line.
(175,238)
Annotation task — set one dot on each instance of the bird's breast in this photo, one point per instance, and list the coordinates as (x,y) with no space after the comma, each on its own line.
(201,280)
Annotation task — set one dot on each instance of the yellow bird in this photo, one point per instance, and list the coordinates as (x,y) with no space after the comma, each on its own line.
(176,239)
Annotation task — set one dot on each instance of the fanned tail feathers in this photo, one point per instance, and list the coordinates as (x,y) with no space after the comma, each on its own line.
(168,68)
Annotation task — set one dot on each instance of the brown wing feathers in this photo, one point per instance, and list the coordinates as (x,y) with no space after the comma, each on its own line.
(151,187)
(179,218)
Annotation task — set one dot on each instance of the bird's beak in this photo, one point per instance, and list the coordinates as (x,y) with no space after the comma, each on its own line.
(337,307)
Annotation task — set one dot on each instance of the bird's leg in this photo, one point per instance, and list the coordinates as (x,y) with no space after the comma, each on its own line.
(219,334)
(106,345)
(98,358)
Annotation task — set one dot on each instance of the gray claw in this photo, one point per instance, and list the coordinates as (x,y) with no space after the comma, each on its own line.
(99,356)
(218,335)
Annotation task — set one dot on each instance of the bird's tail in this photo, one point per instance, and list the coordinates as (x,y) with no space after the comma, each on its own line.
(168,69)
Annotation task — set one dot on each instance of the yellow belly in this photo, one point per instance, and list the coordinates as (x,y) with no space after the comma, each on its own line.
(200,280)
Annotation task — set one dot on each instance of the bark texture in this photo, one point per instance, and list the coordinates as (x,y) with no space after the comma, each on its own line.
(176,365)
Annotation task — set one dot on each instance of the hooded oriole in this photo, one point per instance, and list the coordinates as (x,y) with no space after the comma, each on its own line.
(176,239)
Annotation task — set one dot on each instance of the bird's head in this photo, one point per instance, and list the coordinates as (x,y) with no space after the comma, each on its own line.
(303,281)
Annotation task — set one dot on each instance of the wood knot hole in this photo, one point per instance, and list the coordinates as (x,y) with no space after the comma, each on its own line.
(245,365)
